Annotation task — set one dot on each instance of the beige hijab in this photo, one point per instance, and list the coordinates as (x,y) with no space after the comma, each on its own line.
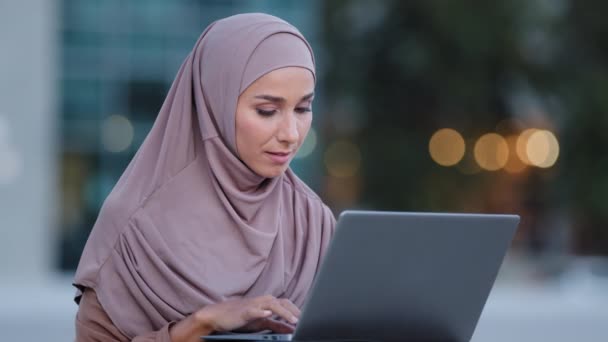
(188,223)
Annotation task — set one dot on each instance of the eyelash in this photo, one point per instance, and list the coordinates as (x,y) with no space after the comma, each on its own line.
(299,110)
(303,110)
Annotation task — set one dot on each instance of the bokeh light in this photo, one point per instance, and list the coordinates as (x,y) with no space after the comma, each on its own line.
(446,147)
(522,143)
(11,163)
(342,159)
(542,149)
(116,133)
(491,152)
(309,145)
(514,163)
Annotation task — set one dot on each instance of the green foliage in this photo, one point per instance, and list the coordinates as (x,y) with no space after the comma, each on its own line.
(408,68)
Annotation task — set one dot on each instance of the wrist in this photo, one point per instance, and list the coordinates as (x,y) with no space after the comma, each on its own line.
(204,320)
(191,328)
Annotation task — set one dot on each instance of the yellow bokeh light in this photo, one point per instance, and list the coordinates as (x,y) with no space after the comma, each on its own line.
(514,164)
(342,159)
(522,143)
(542,149)
(491,152)
(446,147)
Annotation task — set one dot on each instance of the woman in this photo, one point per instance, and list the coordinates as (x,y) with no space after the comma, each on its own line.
(208,229)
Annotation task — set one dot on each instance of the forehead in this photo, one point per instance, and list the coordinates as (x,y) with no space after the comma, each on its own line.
(286,81)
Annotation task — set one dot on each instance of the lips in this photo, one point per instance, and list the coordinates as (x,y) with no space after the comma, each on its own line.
(278,157)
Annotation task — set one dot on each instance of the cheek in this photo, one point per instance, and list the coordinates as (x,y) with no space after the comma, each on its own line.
(243,132)
(252,132)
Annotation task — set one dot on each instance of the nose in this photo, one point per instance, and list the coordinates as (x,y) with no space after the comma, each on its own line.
(288,129)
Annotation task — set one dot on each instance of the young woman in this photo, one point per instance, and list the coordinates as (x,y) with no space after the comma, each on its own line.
(208,229)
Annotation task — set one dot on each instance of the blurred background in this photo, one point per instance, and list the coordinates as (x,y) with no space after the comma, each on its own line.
(460,106)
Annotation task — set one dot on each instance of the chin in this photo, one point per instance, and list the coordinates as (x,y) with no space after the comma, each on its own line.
(272,172)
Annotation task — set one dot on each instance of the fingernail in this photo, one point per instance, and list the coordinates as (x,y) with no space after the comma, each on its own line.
(294,320)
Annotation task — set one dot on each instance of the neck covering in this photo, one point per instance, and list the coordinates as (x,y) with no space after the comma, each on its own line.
(188,223)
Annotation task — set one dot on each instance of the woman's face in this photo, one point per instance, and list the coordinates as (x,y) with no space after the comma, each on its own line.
(273,116)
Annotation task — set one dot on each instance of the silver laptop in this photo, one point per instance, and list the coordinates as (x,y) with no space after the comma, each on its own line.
(393,276)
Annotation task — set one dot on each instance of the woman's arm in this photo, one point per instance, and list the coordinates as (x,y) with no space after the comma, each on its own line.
(93,324)
(190,328)
(252,314)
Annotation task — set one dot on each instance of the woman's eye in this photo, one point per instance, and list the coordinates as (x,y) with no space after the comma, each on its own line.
(266,112)
(302,110)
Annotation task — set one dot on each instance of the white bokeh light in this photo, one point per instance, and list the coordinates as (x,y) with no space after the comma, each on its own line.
(116,133)
(309,145)
(11,164)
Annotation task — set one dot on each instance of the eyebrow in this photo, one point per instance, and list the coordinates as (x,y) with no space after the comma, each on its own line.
(278,99)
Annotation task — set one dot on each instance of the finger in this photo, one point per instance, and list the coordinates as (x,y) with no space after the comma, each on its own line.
(252,326)
(277,326)
(291,307)
(281,311)
(253,313)
(281,307)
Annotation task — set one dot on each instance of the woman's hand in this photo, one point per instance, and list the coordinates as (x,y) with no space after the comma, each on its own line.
(250,314)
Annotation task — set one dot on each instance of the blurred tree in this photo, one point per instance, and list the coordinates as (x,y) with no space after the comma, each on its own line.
(583,86)
(397,71)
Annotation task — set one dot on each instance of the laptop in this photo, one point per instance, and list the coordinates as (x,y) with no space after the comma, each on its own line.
(397,276)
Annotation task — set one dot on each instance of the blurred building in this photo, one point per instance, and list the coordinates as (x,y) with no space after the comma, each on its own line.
(81,84)
(118,61)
